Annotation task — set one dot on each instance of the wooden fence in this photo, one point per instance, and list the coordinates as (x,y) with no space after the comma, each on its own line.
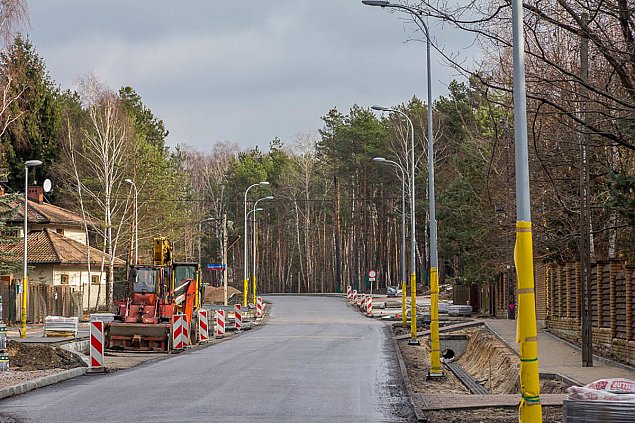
(43,300)
(612,305)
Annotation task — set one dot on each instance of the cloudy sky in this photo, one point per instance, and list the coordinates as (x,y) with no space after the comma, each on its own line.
(240,71)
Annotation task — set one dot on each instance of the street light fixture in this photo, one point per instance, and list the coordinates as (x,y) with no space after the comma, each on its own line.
(253,275)
(25,277)
(136,220)
(413,248)
(404,318)
(246,243)
(435,353)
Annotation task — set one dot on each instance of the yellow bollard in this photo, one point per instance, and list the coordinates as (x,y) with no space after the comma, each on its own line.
(245,292)
(530,409)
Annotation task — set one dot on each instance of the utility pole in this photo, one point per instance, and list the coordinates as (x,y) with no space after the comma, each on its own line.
(585,211)
(225,258)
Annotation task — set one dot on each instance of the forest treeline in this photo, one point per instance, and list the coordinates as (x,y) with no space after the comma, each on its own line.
(336,212)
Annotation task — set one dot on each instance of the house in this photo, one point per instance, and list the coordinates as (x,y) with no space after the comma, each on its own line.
(57,250)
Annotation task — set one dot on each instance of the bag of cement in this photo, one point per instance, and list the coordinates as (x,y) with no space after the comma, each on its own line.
(605,400)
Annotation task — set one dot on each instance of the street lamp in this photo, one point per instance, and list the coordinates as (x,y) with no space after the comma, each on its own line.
(413,248)
(403,235)
(136,221)
(246,242)
(25,277)
(270,197)
(435,353)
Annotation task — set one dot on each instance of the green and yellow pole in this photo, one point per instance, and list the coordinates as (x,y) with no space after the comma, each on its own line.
(254,291)
(530,409)
(404,300)
(413,309)
(25,288)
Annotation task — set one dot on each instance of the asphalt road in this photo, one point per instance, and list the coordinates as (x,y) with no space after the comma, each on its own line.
(315,360)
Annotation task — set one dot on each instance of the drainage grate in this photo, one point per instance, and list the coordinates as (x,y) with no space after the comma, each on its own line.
(468,381)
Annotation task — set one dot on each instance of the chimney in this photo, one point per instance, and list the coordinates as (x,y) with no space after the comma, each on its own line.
(36,193)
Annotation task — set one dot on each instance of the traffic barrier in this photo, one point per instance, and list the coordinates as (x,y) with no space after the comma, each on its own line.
(259,308)
(220,323)
(349,293)
(60,326)
(96,344)
(238,317)
(203,325)
(354,296)
(179,332)
(369,306)
(362,305)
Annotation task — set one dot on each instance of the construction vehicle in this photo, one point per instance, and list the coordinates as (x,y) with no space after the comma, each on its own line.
(155,293)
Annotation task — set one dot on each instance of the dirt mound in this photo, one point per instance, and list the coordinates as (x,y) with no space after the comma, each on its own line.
(29,357)
(215,295)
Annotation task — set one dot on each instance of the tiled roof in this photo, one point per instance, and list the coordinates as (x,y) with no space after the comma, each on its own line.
(43,213)
(50,247)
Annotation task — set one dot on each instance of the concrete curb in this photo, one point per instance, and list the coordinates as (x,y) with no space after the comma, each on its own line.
(41,382)
(406,379)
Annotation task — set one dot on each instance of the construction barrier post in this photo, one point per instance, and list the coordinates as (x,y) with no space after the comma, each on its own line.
(354,296)
(238,317)
(96,344)
(203,325)
(220,323)
(369,307)
(349,293)
(259,309)
(178,337)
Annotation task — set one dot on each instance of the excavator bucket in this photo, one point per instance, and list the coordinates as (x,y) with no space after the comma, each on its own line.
(138,336)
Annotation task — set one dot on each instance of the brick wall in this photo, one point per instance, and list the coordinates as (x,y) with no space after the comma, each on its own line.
(612,305)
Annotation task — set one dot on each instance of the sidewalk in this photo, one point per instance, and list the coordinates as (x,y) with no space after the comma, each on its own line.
(557,356)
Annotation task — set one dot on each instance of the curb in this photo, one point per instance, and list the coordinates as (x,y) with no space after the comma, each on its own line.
(406,379)
(41,382)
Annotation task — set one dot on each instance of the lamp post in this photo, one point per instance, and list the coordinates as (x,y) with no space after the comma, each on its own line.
(435,353)
(246,243)
(413,245)
(253,275)
(404,318)
(530,409)
(136,221)
(25,278)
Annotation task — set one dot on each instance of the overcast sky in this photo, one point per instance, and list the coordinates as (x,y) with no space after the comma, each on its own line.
(240,71)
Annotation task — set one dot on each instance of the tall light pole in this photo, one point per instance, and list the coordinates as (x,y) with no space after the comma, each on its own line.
(253,275)
(136,220)
(413,244)
(246,243)
(530,409)
(25,278)
(404,319)
(435,353)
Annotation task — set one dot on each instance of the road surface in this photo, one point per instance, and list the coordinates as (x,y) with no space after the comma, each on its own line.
(315,360)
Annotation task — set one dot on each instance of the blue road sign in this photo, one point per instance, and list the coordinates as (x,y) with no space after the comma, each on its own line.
(216,266)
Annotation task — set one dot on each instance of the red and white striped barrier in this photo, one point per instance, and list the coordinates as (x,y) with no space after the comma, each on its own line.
(238,316)
(259,309)
(362,304)
(220,323)
(179,332)
(203,325)
(369,306)
(96,344)
(349,293)
(354,296)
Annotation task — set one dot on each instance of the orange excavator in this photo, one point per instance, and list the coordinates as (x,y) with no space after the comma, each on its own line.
(156,292)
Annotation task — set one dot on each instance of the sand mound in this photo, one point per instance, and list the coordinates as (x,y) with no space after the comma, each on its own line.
(29,357)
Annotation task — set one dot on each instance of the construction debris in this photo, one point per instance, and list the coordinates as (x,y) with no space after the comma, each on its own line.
(29,357)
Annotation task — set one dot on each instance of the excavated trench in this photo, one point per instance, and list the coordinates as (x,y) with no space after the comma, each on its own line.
(496,367)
